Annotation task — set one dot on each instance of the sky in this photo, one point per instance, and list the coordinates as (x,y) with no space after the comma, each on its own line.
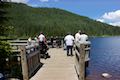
(107,11)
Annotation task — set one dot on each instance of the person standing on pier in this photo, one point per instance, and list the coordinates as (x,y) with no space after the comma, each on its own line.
(29,41)
(52,39)
(69,42)
(77,39)
(42,38)
(43,46)
(83,37)
(77,36)
(42,41)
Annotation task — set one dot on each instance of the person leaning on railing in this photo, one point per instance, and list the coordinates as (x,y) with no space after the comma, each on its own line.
(77,36)
(77,39)
(81,37)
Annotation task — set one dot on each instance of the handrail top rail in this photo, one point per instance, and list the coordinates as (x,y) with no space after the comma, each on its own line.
(18,41)
(18,44)
(26,45)
(31,46)
(85,43)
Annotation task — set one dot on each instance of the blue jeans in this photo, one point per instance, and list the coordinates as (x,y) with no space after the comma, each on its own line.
(69,48)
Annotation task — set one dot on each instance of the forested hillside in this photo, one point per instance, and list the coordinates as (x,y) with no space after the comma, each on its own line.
(29,21)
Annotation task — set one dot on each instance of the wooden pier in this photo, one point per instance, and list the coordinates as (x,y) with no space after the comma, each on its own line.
(58,67)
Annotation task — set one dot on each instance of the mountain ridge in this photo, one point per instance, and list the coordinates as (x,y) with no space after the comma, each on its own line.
(29,21)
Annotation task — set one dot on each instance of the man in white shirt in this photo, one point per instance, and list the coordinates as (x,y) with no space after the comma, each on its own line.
(69,42)
(83,37)
(41,37)
(77,36)
(80,37)
(42,41)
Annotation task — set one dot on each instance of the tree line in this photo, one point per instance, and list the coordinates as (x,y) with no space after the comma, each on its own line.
(29,21)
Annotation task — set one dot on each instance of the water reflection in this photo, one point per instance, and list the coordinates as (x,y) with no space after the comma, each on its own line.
(105,57)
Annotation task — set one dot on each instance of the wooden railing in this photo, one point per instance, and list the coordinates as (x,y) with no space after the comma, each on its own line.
(29,57)
(82,52)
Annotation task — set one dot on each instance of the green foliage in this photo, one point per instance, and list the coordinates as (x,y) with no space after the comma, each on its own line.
(3,18)
(4,46)
(28,21)
(4,53)
(4,49)
(12,66)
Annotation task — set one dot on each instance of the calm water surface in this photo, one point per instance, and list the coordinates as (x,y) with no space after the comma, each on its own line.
(105,57)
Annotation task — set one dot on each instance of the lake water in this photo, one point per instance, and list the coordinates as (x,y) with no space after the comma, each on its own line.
(105,57)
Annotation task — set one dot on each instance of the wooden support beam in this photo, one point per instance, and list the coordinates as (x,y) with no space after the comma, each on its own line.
(82,62)
(24,63)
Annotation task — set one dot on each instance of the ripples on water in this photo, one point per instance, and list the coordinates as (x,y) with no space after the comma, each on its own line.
(105,57)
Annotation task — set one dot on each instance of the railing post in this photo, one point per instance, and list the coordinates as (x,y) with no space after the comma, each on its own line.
(24,63)
(82,62)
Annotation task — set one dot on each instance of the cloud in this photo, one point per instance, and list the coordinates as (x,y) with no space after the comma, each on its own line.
(115,24)
(112,18)
(101,20)
(112,15)
(20,1)
(43,0)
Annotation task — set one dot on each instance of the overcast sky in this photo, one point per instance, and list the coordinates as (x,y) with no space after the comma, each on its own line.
(107,11)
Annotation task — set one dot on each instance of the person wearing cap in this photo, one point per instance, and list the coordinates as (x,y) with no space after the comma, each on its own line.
(69,42)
